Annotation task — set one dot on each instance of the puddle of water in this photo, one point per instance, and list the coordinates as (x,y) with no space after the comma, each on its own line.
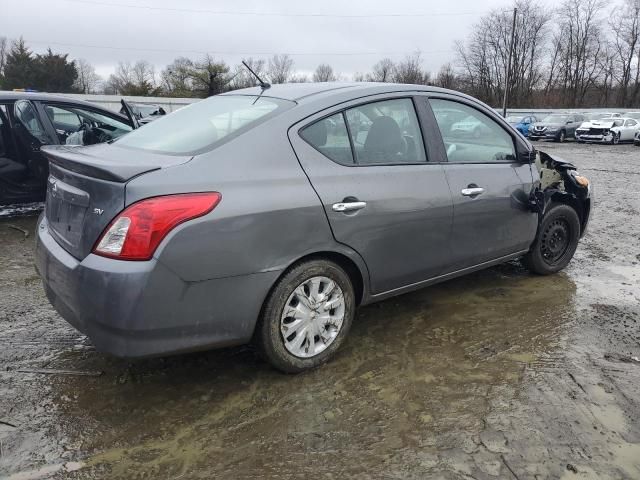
(9,211)
(46,471)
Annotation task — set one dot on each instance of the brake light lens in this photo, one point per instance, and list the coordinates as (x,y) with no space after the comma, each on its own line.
(137,231)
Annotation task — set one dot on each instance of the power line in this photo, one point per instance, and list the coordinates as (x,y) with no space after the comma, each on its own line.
(276,14)
(213,52)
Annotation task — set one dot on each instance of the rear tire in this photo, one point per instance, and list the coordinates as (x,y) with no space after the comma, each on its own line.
(556,241)
(300,303)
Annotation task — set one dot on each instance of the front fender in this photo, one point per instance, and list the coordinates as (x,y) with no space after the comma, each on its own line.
(568,189)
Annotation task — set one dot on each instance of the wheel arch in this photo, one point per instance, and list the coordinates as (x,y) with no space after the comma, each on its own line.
(582,208)
(347,259)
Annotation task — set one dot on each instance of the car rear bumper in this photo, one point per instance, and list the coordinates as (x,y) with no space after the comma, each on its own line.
(142,309)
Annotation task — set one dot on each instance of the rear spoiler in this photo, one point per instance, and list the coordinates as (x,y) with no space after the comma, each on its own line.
(84,161)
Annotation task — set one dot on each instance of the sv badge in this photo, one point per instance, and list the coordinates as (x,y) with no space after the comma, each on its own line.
(98,211)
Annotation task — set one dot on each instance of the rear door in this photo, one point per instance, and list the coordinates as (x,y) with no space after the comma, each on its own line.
(382,196)
(490,187)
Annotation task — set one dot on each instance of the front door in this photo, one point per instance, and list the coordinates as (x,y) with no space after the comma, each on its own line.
(382,196)
(628,131)
(31,136)
(490,187)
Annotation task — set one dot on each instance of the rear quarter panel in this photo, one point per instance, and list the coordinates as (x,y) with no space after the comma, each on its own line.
(269,215)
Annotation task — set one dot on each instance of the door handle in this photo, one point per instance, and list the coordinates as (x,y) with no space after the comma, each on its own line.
(348,206)
(472,191)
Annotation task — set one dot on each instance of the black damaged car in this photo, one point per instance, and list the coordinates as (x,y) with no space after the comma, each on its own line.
(29,121)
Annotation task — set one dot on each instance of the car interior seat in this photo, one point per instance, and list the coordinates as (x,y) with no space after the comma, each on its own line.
(384,142)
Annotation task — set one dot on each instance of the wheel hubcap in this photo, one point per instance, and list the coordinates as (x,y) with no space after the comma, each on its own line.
(555,241)
(312,317)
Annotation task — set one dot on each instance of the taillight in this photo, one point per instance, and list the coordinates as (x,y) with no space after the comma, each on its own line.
(137,231)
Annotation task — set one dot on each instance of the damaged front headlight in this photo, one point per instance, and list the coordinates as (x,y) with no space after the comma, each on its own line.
(581,180)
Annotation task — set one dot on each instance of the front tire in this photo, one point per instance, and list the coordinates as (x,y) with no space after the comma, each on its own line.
(556,241)
(562,137)
(306,317)
(616,139)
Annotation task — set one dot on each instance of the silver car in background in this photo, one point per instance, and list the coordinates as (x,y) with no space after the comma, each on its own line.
(269,215)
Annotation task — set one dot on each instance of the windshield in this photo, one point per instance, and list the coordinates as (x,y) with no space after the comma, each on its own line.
(512,119)
(555,119)
(199,126)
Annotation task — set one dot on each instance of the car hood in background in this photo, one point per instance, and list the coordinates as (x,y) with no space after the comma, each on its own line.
(598,124)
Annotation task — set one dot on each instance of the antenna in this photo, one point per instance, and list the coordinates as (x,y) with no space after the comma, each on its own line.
(263,85)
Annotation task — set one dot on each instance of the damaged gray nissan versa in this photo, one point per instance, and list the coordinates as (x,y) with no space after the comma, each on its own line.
(268,215)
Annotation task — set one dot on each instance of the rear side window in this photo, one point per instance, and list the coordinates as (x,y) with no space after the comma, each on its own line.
(202,125)
(329,136)
(386,132)
(377,133)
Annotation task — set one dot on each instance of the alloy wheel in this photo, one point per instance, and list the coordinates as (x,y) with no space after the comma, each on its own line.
(312,317)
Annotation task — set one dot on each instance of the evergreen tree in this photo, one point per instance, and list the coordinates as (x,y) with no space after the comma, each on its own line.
(19,68)
(54,73)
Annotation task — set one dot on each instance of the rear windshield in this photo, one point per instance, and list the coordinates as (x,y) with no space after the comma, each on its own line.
(200,126)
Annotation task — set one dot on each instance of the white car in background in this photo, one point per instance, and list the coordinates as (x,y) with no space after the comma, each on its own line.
(608,130)
(601,115)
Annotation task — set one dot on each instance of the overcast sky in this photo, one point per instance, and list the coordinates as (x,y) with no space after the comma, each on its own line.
(107,31)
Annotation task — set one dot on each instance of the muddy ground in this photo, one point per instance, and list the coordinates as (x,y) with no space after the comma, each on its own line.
(500,374)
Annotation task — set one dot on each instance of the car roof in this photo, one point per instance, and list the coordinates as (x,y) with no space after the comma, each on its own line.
(301,92)
(43,97)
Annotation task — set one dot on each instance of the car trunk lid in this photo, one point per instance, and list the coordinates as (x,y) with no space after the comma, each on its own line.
(86,189)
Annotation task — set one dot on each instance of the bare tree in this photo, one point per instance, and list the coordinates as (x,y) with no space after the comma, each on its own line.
(485,54)
(176,78)
(410,70)
(625,25)
(243,78)
(299,78)
(88,80)
(382,71)
(324,73)
(133,79)
(280,68)
(580,45)
(447,77)
(4,49)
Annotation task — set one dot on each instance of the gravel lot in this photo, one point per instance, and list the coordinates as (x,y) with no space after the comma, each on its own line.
(500,374)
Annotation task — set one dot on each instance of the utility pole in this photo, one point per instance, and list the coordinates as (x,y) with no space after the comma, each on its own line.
(507,74)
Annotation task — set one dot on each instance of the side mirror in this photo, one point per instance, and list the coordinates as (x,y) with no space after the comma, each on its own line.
(569,122)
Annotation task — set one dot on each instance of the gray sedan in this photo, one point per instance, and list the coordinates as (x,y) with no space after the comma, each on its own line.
(270,214)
